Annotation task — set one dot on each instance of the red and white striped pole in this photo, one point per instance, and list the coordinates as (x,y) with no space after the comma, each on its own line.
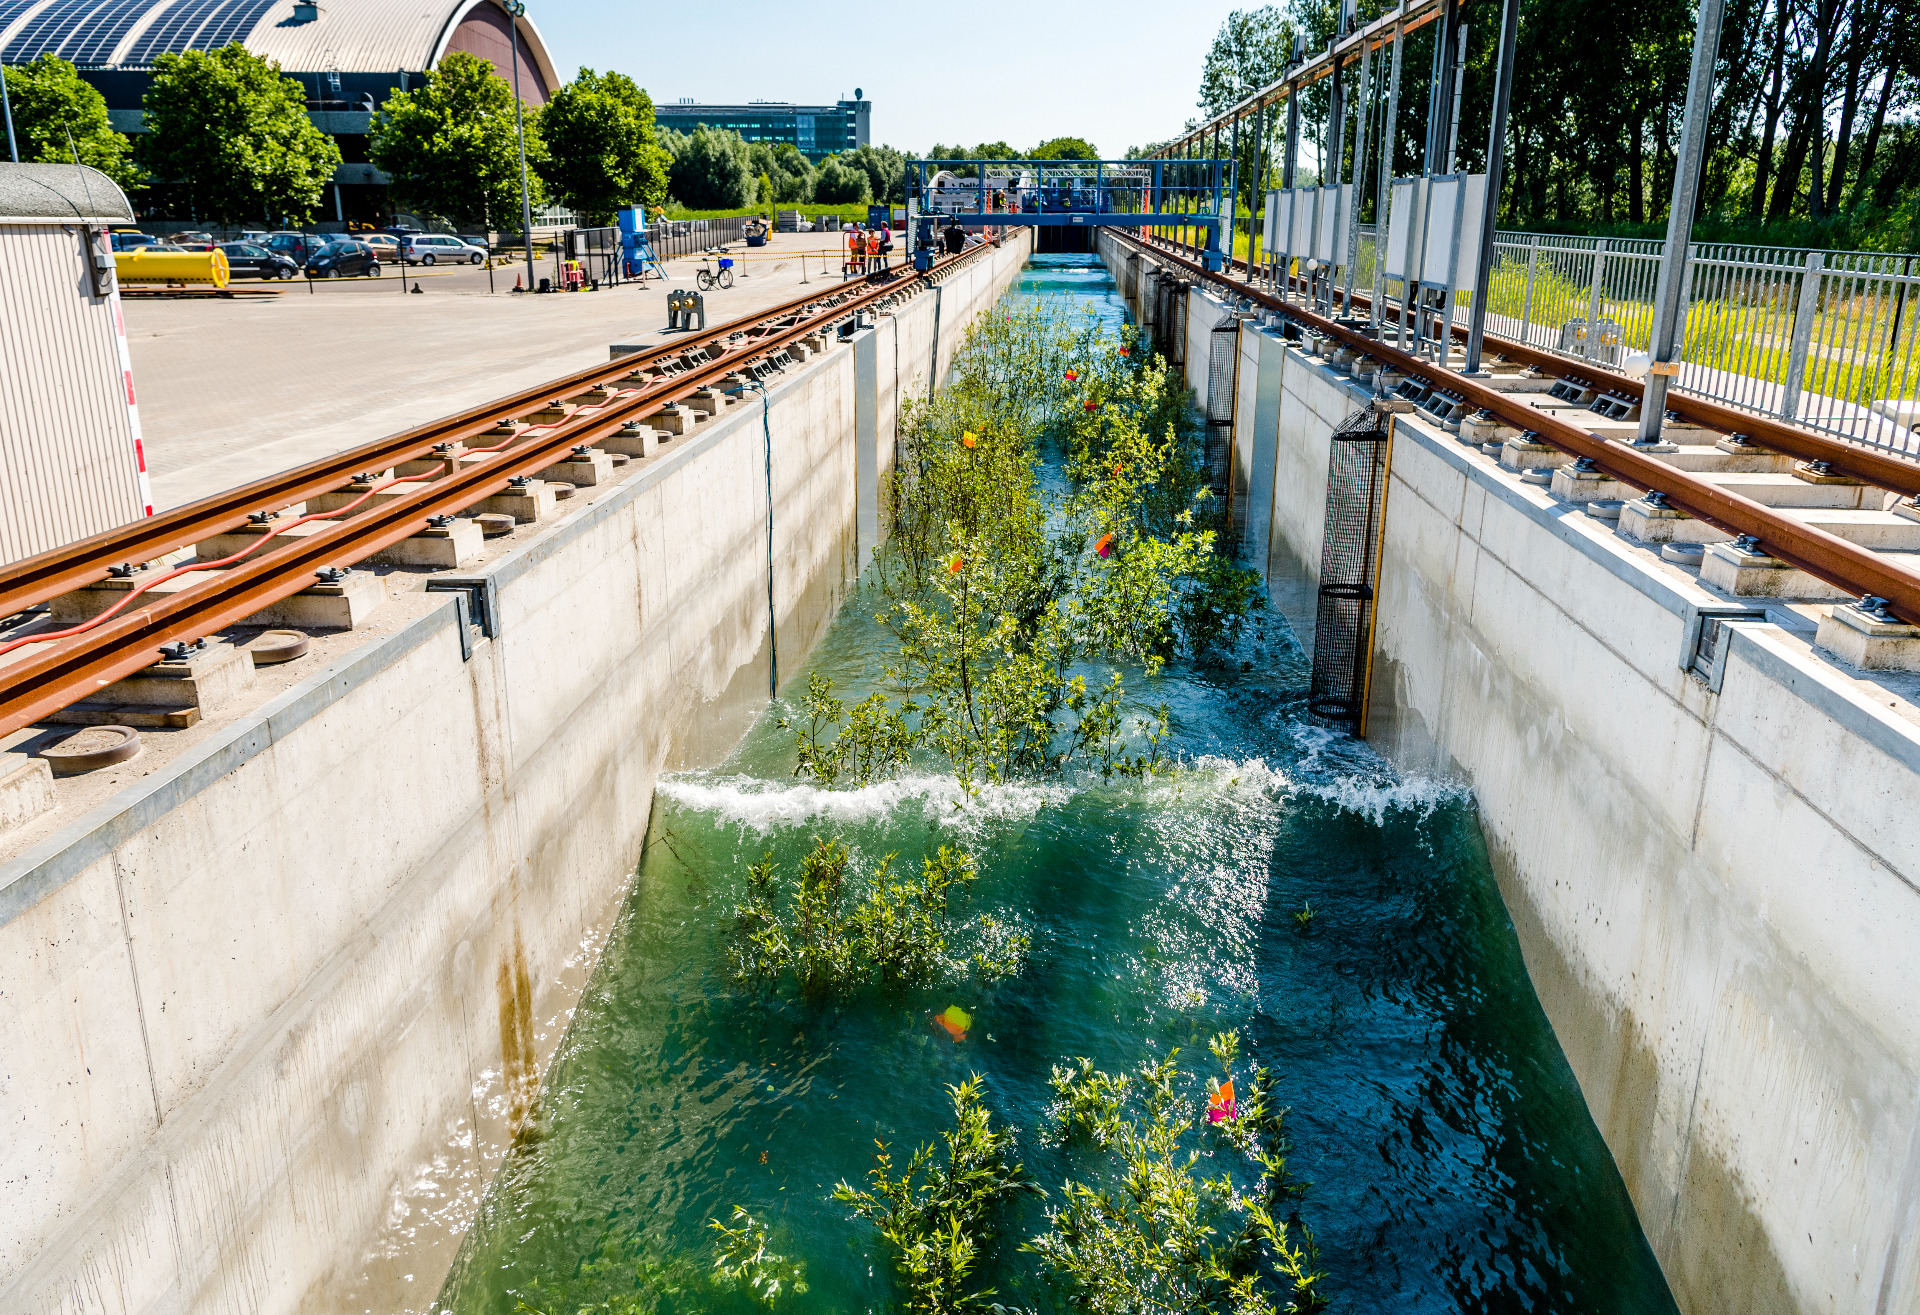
(133,405)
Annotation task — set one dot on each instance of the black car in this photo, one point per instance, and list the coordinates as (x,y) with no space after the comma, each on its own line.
(297,247)
(339,260)
(249,260)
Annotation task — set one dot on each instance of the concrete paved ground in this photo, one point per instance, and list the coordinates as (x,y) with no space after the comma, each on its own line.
(234,390)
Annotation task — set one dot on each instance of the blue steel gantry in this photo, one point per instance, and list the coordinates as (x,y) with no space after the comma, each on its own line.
(1062,193)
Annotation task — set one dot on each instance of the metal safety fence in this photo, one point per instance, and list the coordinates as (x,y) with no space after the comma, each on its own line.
(690,237)
(1823,339)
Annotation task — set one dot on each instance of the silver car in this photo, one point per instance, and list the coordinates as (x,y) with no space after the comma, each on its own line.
(439,249)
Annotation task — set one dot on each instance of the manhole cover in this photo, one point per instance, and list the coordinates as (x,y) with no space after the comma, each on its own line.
(91,749)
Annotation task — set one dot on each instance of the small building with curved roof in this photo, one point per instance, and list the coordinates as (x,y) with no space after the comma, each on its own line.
(349,55)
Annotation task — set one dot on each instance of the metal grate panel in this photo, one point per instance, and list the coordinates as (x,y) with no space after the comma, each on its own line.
(1223,376)
(1357,469)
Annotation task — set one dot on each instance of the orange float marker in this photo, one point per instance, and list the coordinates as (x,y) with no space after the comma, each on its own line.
(955,1020)
(1220,1106)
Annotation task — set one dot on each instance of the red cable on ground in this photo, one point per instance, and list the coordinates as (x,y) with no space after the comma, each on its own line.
(335,514)
(85,626)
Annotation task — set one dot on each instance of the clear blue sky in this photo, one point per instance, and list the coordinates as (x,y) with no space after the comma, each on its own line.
(1118,73)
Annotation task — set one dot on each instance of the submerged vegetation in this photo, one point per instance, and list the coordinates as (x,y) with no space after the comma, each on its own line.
(1014,606)
(829,935)
(1015,609)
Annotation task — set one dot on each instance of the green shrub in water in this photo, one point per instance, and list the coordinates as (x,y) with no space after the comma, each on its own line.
(935,1213)
(742,1257)
(1146,1231)
(832,935)
(1000,595)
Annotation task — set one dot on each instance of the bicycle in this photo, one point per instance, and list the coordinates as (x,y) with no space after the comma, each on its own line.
(708,279)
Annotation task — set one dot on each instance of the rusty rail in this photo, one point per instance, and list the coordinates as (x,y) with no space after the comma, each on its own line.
(49,678)
(1822,555)
(61,570)
(1876,468)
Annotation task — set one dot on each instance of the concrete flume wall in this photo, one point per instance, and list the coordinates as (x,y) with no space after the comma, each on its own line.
(273,1014)
(1717,893)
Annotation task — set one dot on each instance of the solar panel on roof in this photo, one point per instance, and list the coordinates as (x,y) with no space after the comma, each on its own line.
(92,44)
(198,25)
(12,9)
(52,23)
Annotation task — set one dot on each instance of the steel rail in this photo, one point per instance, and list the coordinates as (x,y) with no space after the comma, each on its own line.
(61,570)
(50,678)
(1877,468)
(1822,555)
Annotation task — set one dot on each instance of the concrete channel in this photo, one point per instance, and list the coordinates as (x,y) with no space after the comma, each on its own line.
(1711,865)
(276,1010)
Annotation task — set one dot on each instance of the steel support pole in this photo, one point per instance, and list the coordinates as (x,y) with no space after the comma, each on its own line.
(1496,170)
(1257,193)
(6,109)
(1359,171)
(515,9)
(1389,143)
(1668,337)
(1233,203)
(1285,276)
(1459,85)
(1799,345)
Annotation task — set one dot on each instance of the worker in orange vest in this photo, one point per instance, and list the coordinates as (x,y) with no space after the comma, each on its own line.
(853,246)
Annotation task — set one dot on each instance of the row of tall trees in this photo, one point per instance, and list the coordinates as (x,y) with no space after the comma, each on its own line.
(1812,136)
(231,131)
(717,169)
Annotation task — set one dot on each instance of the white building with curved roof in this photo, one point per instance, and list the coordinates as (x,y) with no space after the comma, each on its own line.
(349,55)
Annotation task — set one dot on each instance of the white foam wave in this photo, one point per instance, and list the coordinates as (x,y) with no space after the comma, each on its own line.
(761,805)
(1369,795)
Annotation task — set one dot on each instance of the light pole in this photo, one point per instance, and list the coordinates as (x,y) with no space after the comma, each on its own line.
(517,9)
(6,107)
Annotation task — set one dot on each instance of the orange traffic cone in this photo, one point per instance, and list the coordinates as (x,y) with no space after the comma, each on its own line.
(516,284)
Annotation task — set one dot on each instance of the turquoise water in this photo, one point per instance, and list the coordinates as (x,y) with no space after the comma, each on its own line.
(1453,1164)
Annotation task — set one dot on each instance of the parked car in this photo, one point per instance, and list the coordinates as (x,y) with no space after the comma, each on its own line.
(439,249)
(133,241)
(250,260)
(197,239)
(343,260)
(385,245)
(297,247)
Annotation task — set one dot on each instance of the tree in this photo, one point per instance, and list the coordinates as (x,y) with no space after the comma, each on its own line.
(1249,52)
(49,103)
(839,183)
(984,151)
(451,149)
(229,127)
(713,170)
(885,168)
(1064,148)
(600,148)
(792,175)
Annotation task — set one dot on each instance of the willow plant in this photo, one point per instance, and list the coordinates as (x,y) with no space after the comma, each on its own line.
(1144,1229)
(936,1213)
(1001,595)
(829,934)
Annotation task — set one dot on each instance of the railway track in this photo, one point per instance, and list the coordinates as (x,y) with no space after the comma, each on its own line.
(1850,567)
(638,386)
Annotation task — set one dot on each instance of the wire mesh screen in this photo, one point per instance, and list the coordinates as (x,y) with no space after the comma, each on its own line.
(1177,324)
(1222,375)
(1350,569)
